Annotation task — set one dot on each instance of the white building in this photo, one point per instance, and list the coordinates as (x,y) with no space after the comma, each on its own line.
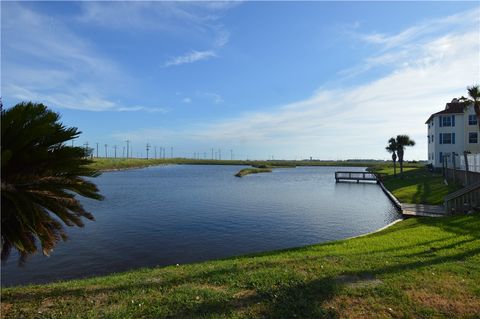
(452,131)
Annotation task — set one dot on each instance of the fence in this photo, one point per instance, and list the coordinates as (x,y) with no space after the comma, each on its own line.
(454,168)
(473,162)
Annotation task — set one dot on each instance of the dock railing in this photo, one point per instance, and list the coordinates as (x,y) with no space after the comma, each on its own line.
(358,176)
(463,199)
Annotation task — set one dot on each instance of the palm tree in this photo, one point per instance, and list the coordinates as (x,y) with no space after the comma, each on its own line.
(392,148)
(40,177)
(474,94)
(402,142)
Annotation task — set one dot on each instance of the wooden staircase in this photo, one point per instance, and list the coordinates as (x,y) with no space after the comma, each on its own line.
(463,200)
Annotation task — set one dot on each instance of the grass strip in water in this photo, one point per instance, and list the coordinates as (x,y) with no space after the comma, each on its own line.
(247,171)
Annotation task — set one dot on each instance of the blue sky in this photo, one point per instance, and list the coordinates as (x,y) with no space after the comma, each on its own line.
(331,80)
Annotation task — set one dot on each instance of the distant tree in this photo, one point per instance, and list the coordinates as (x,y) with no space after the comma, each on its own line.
(392,148)
(402,142)
(474,97)
(40,177)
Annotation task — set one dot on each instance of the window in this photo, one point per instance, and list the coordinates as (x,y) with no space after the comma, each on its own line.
(432,138)
(472,120)
(440,157)
(447,138)
(428,139)
(473,137)
(446,120)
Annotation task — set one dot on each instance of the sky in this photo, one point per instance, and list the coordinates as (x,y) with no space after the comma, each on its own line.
(248,80)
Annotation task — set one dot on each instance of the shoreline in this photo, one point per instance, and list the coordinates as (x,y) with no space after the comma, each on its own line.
(377,274)
(248,255)
(116,164)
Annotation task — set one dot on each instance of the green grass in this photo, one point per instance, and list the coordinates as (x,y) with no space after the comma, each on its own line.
(418,268)
(105,164)
(247,171)
(417,185)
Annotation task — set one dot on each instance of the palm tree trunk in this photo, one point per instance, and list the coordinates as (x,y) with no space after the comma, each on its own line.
(476,107)
(394,168)
(400,159)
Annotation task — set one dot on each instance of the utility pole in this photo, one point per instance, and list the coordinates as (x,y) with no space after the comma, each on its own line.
(155,152)
(106,152)
(86,148)
(97,149)
(212,153)
(115,148)
(128,142)
(123,151)
(219,154)
(231,155)
(148,147)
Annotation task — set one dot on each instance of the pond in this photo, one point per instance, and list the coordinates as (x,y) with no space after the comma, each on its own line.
(178,214)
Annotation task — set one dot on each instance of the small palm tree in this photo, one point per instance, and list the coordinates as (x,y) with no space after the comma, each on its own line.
(474,97)
(402,142)
(392,148)
(40,177)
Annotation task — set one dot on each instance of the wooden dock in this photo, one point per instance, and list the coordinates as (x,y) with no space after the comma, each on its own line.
(345,176)
(407,210)
(416,210)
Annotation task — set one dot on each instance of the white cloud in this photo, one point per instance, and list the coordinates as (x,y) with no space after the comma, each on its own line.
(214,97)
(44,61)
(344,123)
(432,27)
(397,49)
(187,100)
(191,57)
(355,121)
(182,18)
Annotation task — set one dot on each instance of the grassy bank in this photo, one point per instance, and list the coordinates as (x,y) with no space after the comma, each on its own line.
(416,185)
(423,268)
(247,171)
(105,164)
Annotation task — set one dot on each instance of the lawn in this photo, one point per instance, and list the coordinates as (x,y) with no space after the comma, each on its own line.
(417,185)
(421,268)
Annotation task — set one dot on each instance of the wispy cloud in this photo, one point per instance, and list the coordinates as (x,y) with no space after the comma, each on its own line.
(400,49)
(429,72)
(214,97)
(183,18)
(43,60)
(191,57)
(194,56)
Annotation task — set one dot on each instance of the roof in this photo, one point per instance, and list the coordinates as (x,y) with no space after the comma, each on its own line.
(454,107)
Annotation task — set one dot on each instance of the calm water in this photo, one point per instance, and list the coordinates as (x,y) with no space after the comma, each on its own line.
(186,213)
